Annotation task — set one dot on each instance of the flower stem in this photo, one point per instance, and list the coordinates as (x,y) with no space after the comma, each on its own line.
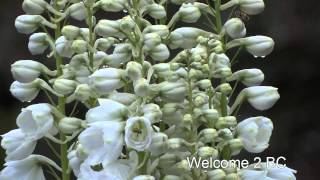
(61,108)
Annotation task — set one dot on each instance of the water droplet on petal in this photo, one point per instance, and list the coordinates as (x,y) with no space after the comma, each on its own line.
(255,56)
(263,56)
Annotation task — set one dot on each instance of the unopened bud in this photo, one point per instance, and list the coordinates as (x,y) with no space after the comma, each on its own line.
(189,13)
(78,11)
(156,11)
(208,135)
(235,28)
(70,125)
(226,122)
(249,77)
(38,43)
(208,152)
(134,70)
(70,32)
(64,86)
(217,174)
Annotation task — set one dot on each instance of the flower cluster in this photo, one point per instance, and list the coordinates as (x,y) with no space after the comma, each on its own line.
(156,92)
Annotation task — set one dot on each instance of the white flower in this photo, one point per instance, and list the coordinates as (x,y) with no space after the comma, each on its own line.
(102,141)
(27,70)
(113,171)
(235,28)
(27,24)
(123,98)
(267,171)
(106,80)
(251,7)
(76,157)
(27,169)
(185,37)
(258,46)
(138,133)
(29,91)
(255,133)
(144,177)
(17,145)
(36,120)
(63,47)
(25,91)
(38,43)
(108,110)
(259,97)
(249,77)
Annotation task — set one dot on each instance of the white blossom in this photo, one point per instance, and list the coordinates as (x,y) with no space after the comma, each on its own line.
(255,133)
(17,145)
(36,120)
(102,141)
(138,133)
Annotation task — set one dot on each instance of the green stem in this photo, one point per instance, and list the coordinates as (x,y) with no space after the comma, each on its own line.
(91,35)
(61,108)
(217,4)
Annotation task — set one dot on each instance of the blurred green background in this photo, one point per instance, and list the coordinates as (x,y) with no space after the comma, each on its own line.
(293,67)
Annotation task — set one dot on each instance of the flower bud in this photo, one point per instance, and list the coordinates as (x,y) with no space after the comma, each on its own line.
(217,174)
(64,86)
(26,71)
(158,144)
(160,53)
(249,77)
(112,5)
(208,152)
(225,134)
(185,37)
(156,11)
(134,70)
(34,6)
(260,97)
(144,177)
(64,47)
(70,32)
(189,13)
(226,122)
(168,160)
(127,24)
(251,7)
(123,98)
(235,28)
(210,115)
(38,43)
(204,84)
(220,65)
(171,177)
(152,112)
(173,91)
(69,125)
(161,30)
(208,135)
(106,80)
(141,87)
(82,93)
(187,121)
(108,28)
(255,133)
(104,44)
(79,46)
(78,11)
(183,165)
(232,176)
(138,133)
(224,88)
(258,46)
(122,53)
(151,40)
(27,24)
(235,146)
(29,91)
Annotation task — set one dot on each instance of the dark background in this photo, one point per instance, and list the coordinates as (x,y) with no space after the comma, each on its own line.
(293,67)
